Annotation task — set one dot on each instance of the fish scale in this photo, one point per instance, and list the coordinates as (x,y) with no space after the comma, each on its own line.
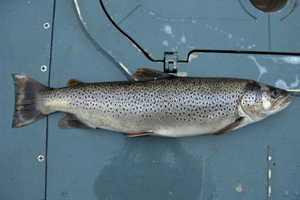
(164,106)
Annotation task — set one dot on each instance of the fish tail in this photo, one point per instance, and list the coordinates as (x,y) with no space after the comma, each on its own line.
(26,91)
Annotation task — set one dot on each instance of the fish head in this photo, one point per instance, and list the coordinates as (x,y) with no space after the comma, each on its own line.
(260,101)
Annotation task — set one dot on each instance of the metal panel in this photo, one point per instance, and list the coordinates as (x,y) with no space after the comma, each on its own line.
(230,25)
(109,166)
(100,164)
(25,47)
(76,156)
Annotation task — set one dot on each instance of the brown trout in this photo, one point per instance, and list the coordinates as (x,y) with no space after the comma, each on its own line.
(156,104)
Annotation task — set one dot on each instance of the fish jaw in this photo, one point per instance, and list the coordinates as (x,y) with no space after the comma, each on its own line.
(281,104)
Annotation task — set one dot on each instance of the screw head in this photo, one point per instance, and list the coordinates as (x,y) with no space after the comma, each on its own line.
(41,158)
(46,25)
(43,68)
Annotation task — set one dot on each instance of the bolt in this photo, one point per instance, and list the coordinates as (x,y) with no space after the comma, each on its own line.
(43,68)
(46,25)
(41,158)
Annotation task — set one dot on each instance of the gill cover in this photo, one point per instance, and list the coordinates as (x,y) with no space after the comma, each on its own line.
(252,100)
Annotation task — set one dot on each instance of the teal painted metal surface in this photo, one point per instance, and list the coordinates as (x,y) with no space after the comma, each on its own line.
(100,164)
(25,47)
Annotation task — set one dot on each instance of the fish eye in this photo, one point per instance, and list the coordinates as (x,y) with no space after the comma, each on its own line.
(274,94)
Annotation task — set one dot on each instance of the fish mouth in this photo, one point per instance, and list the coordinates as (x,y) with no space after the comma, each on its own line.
(282,103)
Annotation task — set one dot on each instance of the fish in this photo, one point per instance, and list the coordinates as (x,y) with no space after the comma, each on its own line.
(155,104)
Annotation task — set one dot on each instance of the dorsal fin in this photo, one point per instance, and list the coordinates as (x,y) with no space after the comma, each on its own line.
(143,74)
(73,82)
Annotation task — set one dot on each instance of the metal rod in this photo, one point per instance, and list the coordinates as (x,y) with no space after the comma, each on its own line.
(293,90)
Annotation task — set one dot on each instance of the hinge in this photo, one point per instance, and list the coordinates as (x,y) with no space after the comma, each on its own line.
(170,62)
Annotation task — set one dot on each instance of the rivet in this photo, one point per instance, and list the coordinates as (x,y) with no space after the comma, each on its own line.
(43,68)
(41,158)
(46,25)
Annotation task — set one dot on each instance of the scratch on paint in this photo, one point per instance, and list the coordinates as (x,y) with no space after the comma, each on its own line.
(203,170)
(68,184)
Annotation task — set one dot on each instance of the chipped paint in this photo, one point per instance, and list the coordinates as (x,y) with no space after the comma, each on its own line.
(183,39)
(192,56)
(239,188)
(181,73)
(165,43)
(269,158)
(262,69)
(168,30)
(251,46)
(282,84)
(169,159)
(191,47)
(291,60)
(269,175)
(136,47)
(294,60)
(286,193)
(231,36)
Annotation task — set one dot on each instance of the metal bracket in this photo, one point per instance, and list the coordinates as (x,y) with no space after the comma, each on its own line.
(170,62)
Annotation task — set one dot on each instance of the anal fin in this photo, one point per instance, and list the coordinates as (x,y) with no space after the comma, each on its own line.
(73,82)
(230,127)
(71,121)
(146,133)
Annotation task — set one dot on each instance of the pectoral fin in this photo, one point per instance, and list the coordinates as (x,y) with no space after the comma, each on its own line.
(143,74)
(71,121)
(230,127)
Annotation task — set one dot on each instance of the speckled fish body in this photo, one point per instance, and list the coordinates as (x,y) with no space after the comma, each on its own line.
(168,106)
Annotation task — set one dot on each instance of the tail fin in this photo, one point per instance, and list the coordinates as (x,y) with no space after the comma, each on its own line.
(26,91)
